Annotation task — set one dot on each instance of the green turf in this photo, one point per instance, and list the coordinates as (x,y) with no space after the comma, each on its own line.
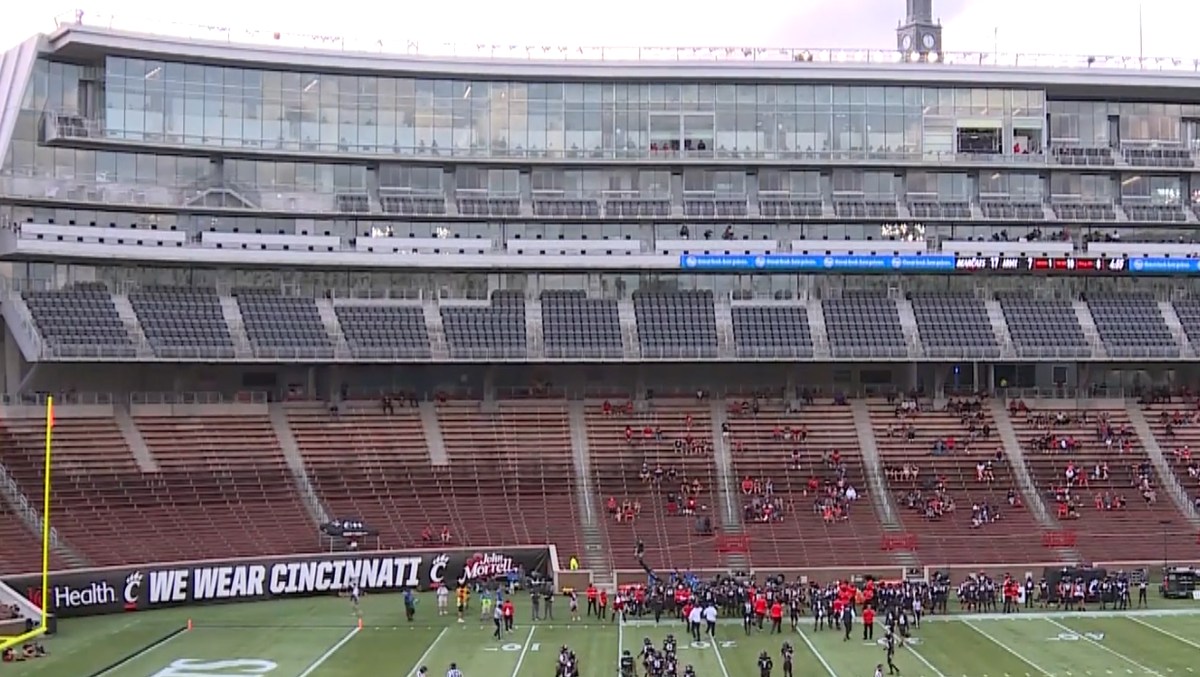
(319,637)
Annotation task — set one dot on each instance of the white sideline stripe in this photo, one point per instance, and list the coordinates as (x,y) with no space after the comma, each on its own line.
(621,644)
(428,650)
(1093,642)
(524,650)
(1050,615)
(1168,633)
(813,648)
(720,659)
(138,654)
(1007,648)
(316,665)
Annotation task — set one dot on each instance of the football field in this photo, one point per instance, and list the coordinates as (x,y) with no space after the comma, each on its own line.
(320,637)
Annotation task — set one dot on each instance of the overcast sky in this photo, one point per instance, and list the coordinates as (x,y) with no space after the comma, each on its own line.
(1081,27)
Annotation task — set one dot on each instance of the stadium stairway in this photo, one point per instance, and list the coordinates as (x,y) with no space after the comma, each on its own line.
(433,435)
(133,325)
(816,328)
(1167,478)
(1000,328)
(1171,317)
(1029,493)
(881,498)
(731,520)
(133,437)
(912,333)
(595,555)
(295,463)
(1088,323)
(232,313)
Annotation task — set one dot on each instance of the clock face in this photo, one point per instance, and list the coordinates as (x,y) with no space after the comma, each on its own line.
(928,41)
(906,42)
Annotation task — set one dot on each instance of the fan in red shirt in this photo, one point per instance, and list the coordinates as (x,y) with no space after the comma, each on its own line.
(868,624)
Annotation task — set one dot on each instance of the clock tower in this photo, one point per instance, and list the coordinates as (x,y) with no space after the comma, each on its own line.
(919,33)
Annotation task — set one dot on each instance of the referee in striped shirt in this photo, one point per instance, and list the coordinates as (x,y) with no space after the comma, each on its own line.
(454,671)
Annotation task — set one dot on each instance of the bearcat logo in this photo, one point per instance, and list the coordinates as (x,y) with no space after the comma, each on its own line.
(133,589)
(480,566)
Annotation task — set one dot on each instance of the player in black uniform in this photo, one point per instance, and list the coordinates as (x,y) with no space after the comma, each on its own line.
(657,665)
(787,653)
(889,646)
(689,671)
(628,665)
(764,665)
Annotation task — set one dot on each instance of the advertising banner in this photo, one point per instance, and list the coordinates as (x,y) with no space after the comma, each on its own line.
(936,263)
(90,592)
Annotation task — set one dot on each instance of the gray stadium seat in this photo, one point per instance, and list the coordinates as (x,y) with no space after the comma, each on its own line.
(81,321)
(183,322)
(864,324)
(385,332)
(772,331)
(496,331)
(283,327)
(1043,327)
(1131,325)
(574,326)
(678,324)
(954,326)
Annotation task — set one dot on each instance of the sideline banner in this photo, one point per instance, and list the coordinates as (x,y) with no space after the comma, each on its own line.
(91,592)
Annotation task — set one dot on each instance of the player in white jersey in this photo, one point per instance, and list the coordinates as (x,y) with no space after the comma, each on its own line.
(443,599)
(879,670)
(355,596)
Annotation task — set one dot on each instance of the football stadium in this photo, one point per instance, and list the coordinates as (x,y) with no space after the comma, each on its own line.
(327,357)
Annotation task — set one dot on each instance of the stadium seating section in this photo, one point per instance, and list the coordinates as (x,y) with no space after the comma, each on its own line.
(88,321)
(217,481)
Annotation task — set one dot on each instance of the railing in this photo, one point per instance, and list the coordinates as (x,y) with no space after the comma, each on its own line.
(39,399)
(94,130)
(727,54)
(198,397)
(29,513)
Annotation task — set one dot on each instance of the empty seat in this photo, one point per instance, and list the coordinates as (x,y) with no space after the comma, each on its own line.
(954,326)
(772,331)
(864,324)
(1043,327)
(81,321)
(385,331)
(494,331)
(283,327)
(575,326)
(183,322)
(1131,325)
(680,324)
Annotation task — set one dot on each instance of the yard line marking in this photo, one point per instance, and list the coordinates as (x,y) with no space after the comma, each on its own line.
(1093,642)
(1168,633)
(428,651)
(720,659)
(916,654)
(524,650)
(141,652)
(316,665)
(813,648)
(1009,649)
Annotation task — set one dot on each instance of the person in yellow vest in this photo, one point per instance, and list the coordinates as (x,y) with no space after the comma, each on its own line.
(574,563)
(464,596)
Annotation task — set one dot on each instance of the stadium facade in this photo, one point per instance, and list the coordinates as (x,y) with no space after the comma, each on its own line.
(254,205)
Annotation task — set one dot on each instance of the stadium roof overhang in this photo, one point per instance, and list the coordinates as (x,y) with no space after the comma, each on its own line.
(86,43)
